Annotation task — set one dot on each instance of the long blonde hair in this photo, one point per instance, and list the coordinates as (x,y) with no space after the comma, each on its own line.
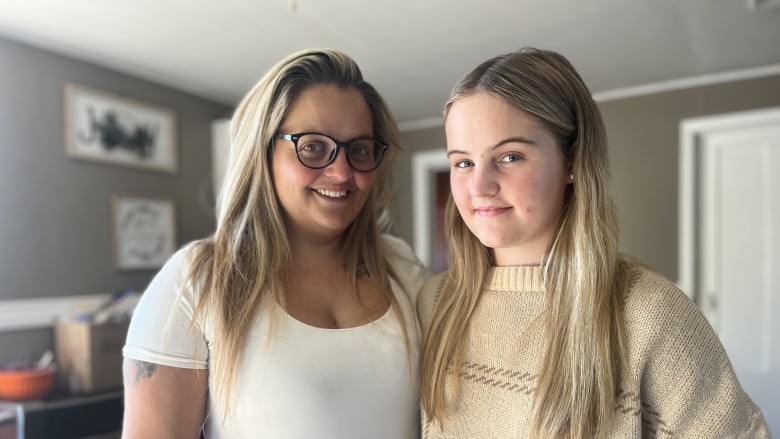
(583,273)
(242,267)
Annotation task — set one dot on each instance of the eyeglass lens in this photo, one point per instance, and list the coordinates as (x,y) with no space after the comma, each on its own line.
(318,151)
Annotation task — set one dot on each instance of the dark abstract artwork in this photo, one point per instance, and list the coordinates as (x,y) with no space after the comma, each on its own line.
(119,130)
(140,140)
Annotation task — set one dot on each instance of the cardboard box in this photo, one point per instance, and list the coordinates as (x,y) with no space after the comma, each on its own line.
(89,356)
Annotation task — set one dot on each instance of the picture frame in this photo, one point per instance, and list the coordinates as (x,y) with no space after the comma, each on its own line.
(430,191)
(111,129)
(144,231)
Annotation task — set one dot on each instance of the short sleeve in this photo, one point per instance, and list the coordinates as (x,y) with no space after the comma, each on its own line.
(162,330)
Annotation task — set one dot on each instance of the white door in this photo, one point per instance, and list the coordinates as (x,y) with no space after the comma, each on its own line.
(220,152)
(736,245)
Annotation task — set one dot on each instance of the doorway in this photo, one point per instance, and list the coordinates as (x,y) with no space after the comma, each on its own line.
(729,250)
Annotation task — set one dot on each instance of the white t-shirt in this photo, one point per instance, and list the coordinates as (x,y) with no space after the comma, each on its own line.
(308,382)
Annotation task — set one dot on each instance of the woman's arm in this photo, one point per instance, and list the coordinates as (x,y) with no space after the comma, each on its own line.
(162,401)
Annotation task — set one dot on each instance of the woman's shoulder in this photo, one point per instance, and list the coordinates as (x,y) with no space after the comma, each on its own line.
(182,257)
(173,277)
(398,247)
(410,272)
(181,260)
(429,295)
(401,255)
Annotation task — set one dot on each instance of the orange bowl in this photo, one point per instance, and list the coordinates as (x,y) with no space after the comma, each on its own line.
(26,384)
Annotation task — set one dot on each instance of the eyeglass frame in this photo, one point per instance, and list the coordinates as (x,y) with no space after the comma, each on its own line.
(339,145)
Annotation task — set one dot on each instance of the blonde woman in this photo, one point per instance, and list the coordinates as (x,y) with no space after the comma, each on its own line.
(296,319)
(540,328)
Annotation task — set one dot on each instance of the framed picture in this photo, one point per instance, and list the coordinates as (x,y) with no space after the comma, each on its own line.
(106,128)
(431,188)
(144,231)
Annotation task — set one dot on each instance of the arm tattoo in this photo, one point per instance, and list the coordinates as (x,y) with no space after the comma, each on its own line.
(144,369)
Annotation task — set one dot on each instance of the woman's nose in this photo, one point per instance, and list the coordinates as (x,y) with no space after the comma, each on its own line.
(340,167)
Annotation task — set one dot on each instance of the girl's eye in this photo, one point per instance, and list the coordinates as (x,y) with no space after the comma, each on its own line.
(462,164)
(511,157)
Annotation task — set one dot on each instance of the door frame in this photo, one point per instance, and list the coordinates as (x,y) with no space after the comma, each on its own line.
(692,131)
(425,165)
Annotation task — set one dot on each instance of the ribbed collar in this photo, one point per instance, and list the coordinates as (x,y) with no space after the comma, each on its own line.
(515,278)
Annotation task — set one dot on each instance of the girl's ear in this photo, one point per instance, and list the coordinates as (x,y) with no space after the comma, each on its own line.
(569,171)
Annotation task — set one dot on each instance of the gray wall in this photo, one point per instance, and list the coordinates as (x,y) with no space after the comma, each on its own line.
(644,146)
(643,138)
(55,237)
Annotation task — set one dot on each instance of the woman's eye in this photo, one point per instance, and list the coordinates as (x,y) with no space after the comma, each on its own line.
(462,164)
(312,147)
(358,149)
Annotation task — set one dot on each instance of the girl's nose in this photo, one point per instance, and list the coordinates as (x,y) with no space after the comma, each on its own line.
(483,182)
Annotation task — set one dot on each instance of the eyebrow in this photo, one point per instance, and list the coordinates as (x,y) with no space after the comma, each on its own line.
(518,139)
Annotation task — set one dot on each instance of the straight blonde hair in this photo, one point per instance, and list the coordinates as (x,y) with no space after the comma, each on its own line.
(584,276)
(241,269)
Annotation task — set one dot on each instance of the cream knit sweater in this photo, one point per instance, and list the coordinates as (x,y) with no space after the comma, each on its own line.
(679,382)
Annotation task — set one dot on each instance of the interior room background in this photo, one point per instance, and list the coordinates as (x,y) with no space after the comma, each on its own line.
(55,238)
(55,229)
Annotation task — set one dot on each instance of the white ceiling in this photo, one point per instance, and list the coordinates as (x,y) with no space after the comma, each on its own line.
(413,51)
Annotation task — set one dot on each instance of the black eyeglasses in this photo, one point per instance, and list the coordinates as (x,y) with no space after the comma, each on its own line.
(317,151)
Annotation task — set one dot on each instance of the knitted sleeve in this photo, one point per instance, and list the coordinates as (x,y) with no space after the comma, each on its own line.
(686,385)
(427,298)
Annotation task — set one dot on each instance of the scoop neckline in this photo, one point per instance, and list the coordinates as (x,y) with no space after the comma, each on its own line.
(303,324)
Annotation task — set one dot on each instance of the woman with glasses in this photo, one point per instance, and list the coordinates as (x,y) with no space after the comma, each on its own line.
(297,318)
(540,328)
